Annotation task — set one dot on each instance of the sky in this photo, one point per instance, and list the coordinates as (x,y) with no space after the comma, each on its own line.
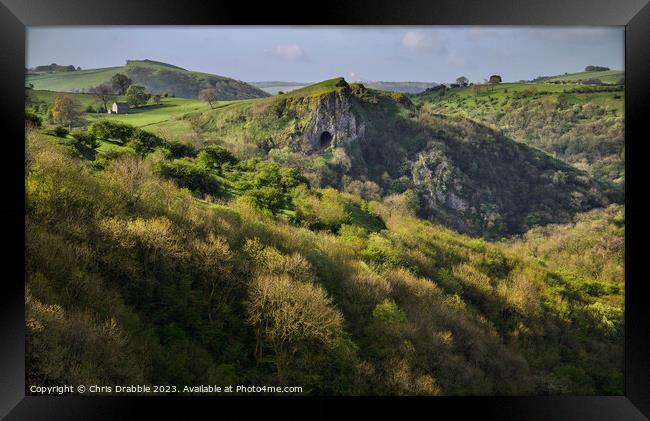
(309,54)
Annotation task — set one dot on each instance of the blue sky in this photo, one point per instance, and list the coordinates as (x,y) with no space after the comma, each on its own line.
(308,54)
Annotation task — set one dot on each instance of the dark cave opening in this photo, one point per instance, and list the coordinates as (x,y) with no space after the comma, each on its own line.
(325,139)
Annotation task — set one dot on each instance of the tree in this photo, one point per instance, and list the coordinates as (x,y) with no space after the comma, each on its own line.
(462,81)
(65,110)
(103,93)
(208,95)
(136,95)
(494,80)
(289,314)
(120,83)
(592,68)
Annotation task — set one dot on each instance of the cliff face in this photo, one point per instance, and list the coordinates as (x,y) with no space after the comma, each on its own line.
(333,121)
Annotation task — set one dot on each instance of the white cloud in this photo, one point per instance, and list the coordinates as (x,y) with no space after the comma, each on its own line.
(290,52)
(424,41)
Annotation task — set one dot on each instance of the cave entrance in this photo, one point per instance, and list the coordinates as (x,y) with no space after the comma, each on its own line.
(325,139)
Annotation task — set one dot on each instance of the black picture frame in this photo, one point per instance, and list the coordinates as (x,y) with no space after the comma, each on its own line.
(16,15)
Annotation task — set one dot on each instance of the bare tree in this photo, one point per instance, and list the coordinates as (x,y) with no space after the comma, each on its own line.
(208,95)
(104,94)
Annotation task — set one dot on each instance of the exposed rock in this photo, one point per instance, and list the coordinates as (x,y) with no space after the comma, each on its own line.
(333,114)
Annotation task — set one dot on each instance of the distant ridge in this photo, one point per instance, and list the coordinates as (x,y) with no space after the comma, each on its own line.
(157,78)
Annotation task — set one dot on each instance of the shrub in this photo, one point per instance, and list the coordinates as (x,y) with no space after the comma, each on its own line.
(33,119)
(189,175)
(144,142)
(180,149)
(60,131)
(215,156)
(84,138)
(109,130)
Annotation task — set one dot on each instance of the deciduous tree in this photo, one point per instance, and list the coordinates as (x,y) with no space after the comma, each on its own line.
(120,83)
(104,94)
(208,95)
(136,95)
(65,110)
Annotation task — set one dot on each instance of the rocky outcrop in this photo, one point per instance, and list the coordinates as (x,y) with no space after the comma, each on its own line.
(333,121)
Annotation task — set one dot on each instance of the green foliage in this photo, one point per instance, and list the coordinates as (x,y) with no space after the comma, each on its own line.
(60,131)
(33,119)
(133,278)
(581,125)
(592,68)
(215,156)
(388,312)
(144,142)
(136,95)
(109,130)
(190,175)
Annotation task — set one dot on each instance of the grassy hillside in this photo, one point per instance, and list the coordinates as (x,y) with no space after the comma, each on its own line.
(156,77)
(583,126)
(608,76)
(250,276)
(166,118)
(448,162)
(76,81)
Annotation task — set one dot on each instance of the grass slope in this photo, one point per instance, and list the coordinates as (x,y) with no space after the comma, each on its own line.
(609,76)
(157,78)
(581,125)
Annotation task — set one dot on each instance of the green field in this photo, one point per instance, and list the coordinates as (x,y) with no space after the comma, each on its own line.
(156,77)
(47,97)
(492,97)
(609,76)
(72,81)
(152,116)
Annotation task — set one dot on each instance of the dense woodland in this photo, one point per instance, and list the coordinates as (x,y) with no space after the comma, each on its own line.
(230,254)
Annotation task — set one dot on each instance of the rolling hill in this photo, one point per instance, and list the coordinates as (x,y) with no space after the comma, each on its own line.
(581,125)
(377,144)
(298,239)
(135,275)
(156,77)
(607,76)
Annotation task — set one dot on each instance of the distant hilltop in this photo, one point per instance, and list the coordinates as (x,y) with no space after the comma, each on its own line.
(54,68)
(156,77)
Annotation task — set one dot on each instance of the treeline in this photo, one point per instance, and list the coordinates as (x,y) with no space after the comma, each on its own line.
(131,278)
(56,68)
